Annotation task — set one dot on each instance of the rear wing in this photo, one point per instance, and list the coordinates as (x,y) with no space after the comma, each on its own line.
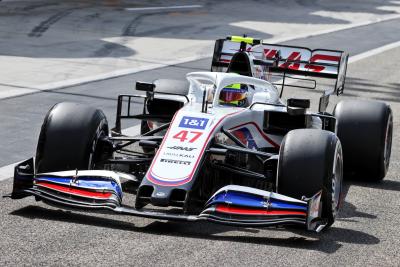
(285,59)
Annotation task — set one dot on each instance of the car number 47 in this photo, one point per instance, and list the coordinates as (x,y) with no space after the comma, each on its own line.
(187,135)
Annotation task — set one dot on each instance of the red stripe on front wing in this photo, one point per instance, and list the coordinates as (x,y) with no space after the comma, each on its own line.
(75,191)
(244,211)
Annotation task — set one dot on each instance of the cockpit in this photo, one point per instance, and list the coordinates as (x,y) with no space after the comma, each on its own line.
(230,89)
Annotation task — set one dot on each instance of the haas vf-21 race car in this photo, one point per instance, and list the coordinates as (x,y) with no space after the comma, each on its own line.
(222,147)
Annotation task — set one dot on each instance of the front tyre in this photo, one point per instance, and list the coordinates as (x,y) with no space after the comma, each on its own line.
(311,160)
(69,138)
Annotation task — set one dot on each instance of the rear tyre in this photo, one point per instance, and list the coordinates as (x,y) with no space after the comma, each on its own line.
(365,130)
(311,160)
(69,138)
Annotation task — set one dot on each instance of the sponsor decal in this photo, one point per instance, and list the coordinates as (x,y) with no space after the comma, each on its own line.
(173,161)
(297,56)
(178,155)
(193,123)
(245,136)
(183,148)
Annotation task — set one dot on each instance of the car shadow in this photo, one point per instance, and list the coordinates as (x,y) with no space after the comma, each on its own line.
(328,241)
(389,185)
(349,213)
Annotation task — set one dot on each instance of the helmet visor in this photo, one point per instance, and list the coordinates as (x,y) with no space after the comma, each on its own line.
(229,95)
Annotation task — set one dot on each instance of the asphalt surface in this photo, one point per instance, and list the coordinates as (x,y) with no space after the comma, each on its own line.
(365,234)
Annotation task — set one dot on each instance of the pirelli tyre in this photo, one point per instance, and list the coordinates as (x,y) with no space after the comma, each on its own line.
(69,138)
(365,130)
(311,160)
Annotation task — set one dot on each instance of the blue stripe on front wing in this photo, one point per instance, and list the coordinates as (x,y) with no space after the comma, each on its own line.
(84,182)
(254,201)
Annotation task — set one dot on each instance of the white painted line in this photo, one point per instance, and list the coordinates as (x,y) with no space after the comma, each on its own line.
(131,131)
(161,8)
(374,52)
(113,74)
(333,29)
(7,172)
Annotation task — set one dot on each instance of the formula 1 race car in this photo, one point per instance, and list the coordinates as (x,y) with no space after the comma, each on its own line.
(222,147)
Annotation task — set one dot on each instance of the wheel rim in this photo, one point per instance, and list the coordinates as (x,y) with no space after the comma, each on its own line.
(388,143)
(337,179)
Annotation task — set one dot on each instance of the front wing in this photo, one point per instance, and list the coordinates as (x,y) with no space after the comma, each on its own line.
(102,191)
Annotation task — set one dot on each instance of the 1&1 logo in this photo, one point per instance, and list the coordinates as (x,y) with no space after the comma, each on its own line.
(193,123)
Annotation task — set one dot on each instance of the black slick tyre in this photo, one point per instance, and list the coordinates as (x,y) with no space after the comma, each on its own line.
(365,130)
(69,138)
(311,160)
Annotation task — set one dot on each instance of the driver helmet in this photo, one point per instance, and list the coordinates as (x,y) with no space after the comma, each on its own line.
(234,95)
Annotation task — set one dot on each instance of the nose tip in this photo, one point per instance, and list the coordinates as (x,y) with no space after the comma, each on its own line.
(161,198)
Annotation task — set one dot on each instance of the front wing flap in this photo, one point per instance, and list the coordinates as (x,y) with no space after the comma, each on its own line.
(247,206)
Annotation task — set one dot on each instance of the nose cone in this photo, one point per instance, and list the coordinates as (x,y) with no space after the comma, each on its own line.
(162,196)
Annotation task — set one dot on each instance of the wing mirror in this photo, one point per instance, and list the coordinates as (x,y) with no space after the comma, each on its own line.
(147,87)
